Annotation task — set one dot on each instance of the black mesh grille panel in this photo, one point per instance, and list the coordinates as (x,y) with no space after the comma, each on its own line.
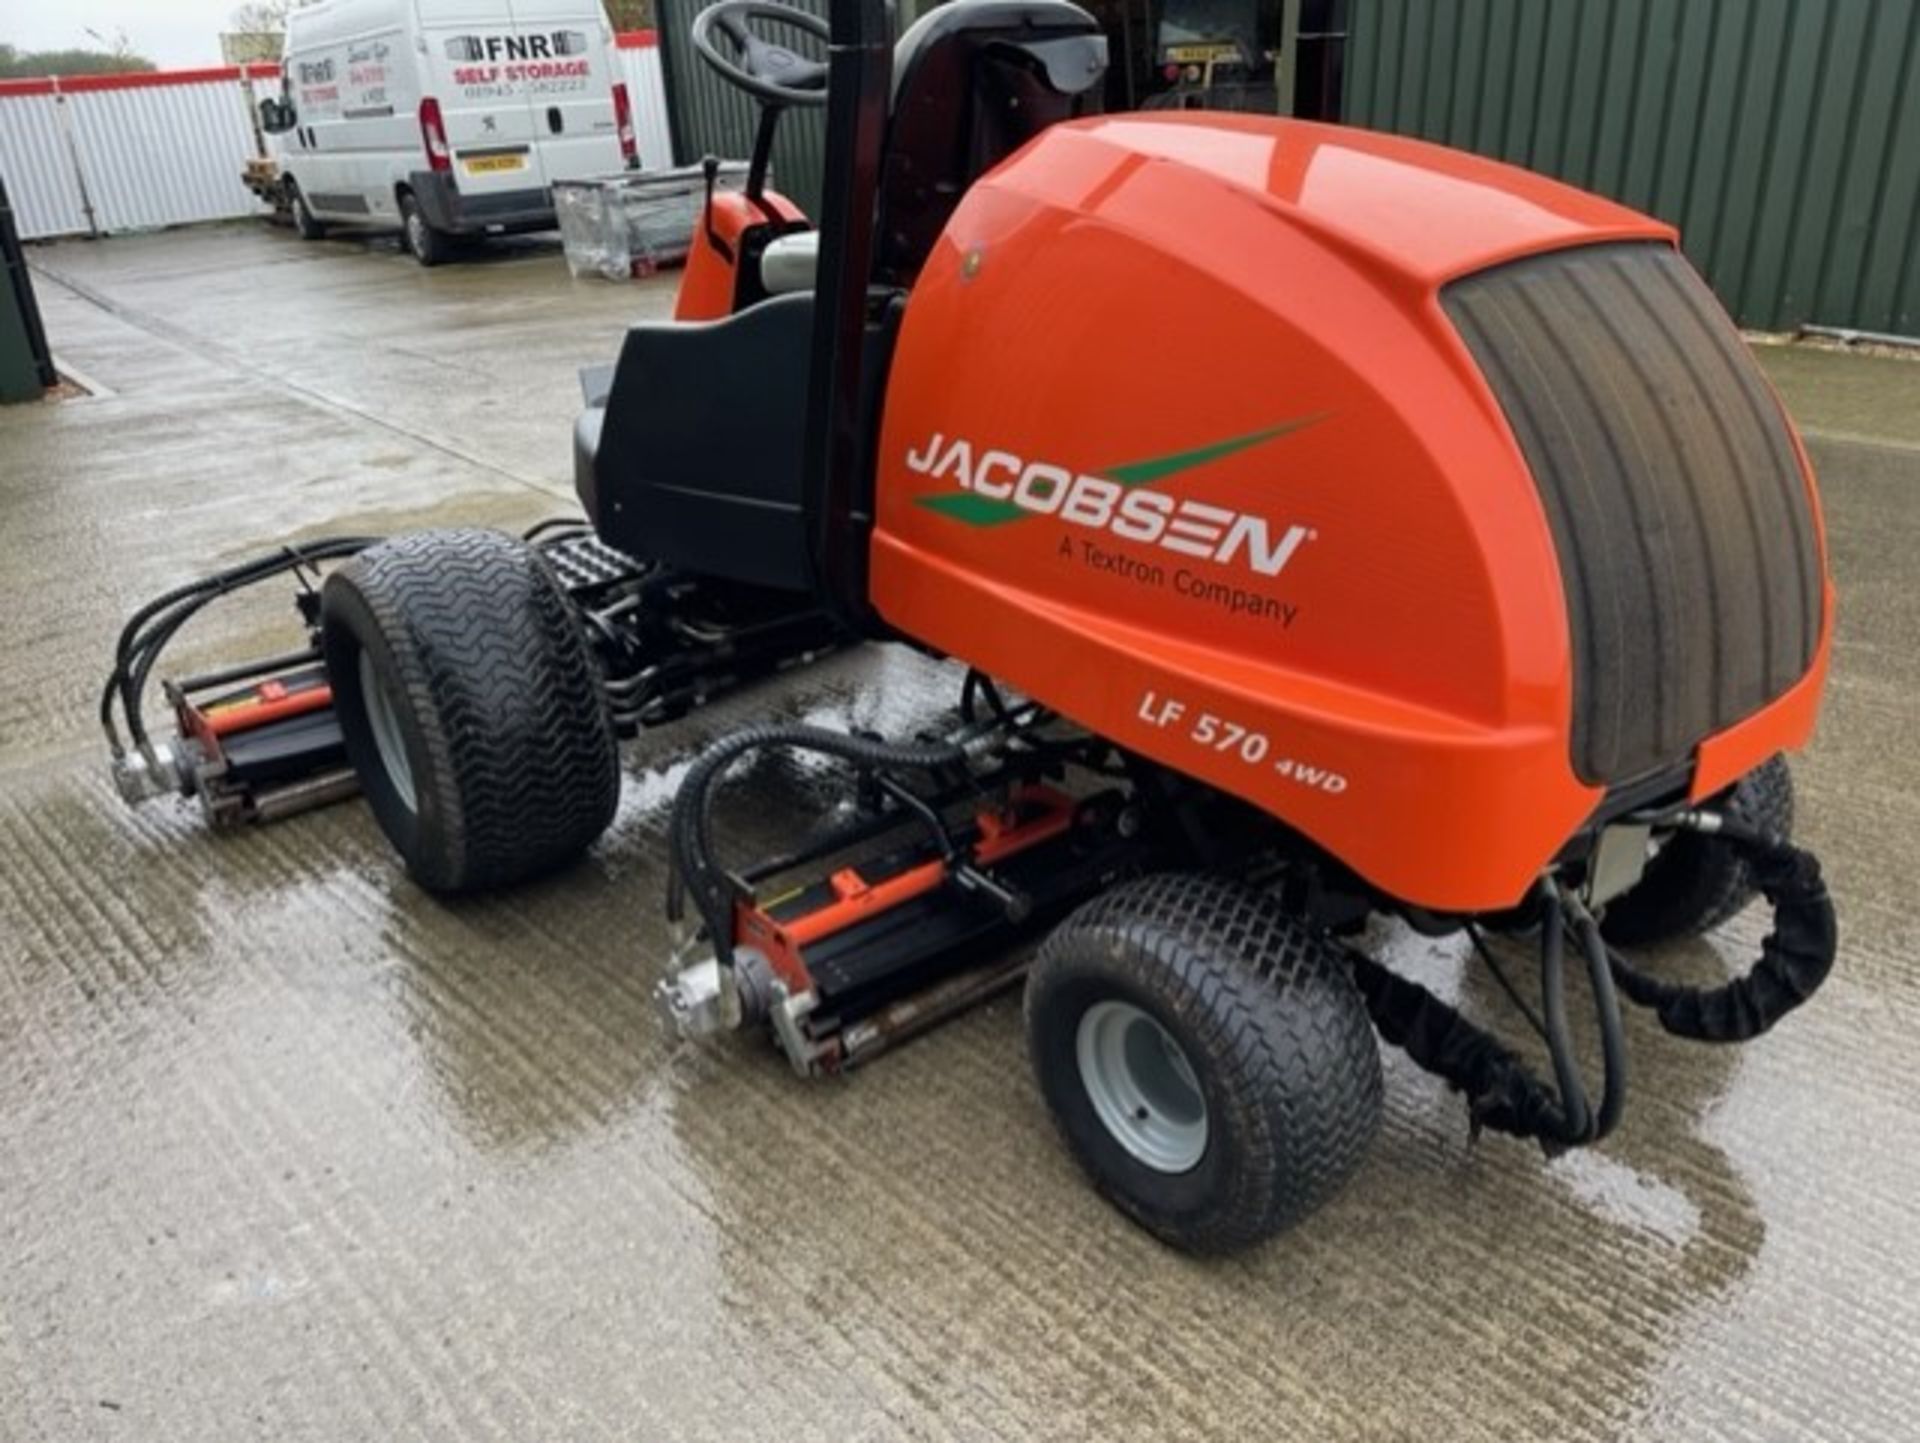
(1683,526)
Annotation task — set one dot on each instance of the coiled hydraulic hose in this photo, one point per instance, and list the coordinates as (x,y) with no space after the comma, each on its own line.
(1794,959)
(1502,1094)
(149,629)
(690,833)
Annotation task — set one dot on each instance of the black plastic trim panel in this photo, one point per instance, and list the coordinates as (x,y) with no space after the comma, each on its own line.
(1684,526)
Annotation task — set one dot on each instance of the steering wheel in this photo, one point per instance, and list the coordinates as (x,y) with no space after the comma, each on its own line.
(762,68)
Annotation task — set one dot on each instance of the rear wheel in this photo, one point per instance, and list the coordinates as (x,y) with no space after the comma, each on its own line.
(1206,1057)
(470,706)
(1696,882)
(304,221)
(430,247)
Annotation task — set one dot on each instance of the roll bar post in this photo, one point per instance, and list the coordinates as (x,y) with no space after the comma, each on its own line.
(859,83)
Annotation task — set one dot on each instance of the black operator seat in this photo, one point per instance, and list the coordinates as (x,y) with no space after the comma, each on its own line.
(696,459)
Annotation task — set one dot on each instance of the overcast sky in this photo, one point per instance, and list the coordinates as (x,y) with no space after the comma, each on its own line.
(168,32)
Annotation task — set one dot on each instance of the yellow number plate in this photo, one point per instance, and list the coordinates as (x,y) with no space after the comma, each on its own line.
(1201,54)
(488,164)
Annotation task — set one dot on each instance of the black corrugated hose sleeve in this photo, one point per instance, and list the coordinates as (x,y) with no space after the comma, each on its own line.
(691,830)
(1794,960)
(1502,1093)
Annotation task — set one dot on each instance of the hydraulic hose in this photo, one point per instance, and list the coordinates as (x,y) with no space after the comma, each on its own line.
(148,631)
(1794,959)
(1502,1093)
(690,834)
(1576,1116)
(1613,1037)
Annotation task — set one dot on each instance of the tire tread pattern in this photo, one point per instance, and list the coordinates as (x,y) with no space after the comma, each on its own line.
(1283,1026)
(523,763)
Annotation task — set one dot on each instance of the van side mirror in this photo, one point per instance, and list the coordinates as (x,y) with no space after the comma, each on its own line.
(276,116)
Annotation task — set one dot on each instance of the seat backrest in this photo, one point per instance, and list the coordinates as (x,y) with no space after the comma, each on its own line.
(973,81)
(697,464)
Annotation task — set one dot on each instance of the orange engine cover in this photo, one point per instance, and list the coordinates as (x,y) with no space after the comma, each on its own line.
(1180,440)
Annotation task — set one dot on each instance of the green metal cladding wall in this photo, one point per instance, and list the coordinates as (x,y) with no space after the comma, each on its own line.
(710,117)
(1782,137)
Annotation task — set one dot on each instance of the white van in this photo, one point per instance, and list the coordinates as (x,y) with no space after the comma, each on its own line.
(444,118)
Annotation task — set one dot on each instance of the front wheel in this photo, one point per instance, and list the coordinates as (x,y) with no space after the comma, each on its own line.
(430,247)
(470,706)
(1205,1056)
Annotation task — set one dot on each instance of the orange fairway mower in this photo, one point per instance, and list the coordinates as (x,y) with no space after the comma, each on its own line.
(1329,525)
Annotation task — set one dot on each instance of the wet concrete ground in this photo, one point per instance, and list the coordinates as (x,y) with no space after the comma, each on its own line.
(290,1150)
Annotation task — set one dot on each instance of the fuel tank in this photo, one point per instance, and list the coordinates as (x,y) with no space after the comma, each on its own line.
(1419,500)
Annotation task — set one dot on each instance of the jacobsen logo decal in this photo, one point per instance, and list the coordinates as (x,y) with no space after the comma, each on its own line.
(997,487)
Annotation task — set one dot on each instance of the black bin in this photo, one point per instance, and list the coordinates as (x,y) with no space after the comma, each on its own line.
(26,365)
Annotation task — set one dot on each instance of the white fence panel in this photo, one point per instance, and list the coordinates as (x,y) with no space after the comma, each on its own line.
(157,155)
(37,162)
(102,154)
(640,68)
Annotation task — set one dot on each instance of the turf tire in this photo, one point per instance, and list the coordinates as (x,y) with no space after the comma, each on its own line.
(1272,1028)
(1697,882)
(496,699)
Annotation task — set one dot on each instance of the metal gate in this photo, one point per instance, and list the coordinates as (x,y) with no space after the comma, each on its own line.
(710,117)
(1781,136)
(99,154)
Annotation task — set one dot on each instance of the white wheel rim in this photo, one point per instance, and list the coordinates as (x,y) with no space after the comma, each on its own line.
(416,233)
(384,722)
(1142,1086)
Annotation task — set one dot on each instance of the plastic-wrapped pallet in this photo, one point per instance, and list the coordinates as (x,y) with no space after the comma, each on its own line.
(633,223)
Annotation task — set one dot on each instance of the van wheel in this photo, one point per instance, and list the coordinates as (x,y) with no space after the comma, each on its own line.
(470,706)
(1206,1057)
(429,246)
(303,218)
